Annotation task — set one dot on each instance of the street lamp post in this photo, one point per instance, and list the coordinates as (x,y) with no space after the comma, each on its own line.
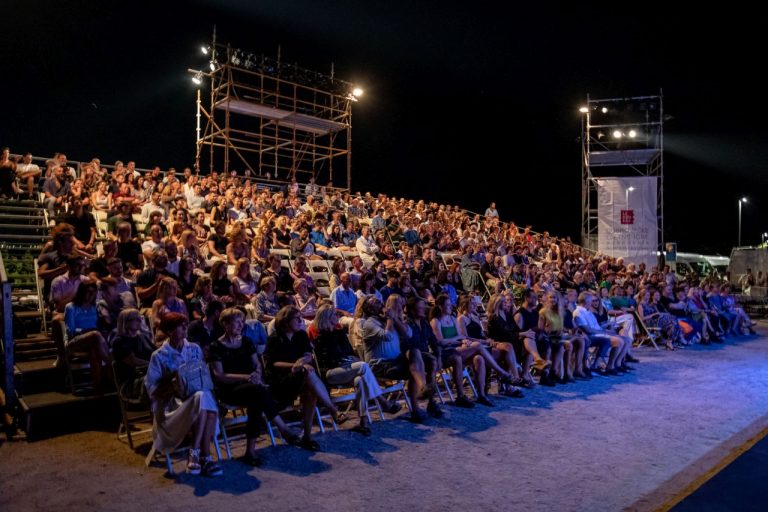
(741,201)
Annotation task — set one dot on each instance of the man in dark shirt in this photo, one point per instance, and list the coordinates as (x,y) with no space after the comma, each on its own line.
(207,329)
(147,282)
(124,215)
(98,268)
(393,278)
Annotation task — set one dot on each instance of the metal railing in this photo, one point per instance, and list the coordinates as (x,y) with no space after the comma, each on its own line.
(7,340)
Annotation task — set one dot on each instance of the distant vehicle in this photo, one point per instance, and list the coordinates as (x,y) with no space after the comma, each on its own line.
(743,258)
(691,264)
(720,263)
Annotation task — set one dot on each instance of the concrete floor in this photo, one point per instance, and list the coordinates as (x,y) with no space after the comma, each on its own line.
(616,443)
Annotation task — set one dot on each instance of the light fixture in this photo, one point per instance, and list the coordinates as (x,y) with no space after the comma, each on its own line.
(632,134)
(357,92)
(583,110)
(212,65)
(617,134)
(631,189)
(743,199)
(204,49)
(198,78)
(604,110)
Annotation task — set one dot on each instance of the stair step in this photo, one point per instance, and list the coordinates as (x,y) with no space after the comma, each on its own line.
(28,314)
(28,346)
(28,355)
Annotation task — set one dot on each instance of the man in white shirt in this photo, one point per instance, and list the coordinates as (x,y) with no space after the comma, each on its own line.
(64,287)
(585,320)
(28,172)
(367,247)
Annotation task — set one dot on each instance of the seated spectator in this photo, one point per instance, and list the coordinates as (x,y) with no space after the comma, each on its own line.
(101,198)
(423,340)
(445,328)
(282,275)
(206,329)
(82,334)
(27,173)
(266,302)
(129,250)
(65,287)
(149,280)
(382,330)
(132,349)
(154,243)
(290,372)
(564,348)
(243,283)
(305,301)
(222,286)
(343,298)
(470,327)
(367,247)
(174,415)
(239,379)
(81,219)
(124,216)
(55,189)
(368,287)
(99,267)
(300,271)
(187,278)
(167,301)
(217,243)
(339,365)
(599,337)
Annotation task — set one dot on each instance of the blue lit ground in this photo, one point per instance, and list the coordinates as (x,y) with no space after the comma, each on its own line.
(630,442)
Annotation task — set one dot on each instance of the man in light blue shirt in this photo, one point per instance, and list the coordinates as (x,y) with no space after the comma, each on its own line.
(343,298)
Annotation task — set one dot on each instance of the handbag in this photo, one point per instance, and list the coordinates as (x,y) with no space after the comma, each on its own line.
(192,377)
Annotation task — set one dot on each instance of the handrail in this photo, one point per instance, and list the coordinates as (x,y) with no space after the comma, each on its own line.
(7,340)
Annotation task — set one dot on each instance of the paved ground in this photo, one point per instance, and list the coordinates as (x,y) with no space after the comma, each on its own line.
(630,442)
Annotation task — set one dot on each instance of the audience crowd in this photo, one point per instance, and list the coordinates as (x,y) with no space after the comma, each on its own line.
(293,293)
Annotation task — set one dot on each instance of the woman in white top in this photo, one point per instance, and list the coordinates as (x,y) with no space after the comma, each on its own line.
(243,283)
(175,416)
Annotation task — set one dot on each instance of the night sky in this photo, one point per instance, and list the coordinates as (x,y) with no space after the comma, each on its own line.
(468,90)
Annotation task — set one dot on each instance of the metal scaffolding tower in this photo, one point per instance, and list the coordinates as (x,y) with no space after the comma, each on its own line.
(270,117)
(621,137)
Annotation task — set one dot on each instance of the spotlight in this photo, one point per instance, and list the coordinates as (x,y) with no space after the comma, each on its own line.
(604,110)
(632,134)
(357,92)
(743,199)
(584,110)
(198,78)
(204,49)
(617,134)
(213,65)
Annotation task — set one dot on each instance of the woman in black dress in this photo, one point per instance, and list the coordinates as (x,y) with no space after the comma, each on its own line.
(238,375)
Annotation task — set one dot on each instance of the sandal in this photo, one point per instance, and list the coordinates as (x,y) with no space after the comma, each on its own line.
(341,418)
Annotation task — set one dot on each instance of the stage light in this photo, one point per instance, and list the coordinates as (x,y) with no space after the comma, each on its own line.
(357,92)
(617,134)
(632,134)
(204,49)
(584,110)
(743,199)
(213,65)
(198,78)
(604,110)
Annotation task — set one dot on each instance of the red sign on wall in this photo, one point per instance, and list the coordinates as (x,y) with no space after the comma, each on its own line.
(627,216)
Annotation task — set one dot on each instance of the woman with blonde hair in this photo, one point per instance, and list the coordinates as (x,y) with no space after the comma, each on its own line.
(471,328)
(339,365)
(568,358)
(243,283)
(167,301)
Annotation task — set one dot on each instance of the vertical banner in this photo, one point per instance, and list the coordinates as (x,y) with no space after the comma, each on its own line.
(626,219)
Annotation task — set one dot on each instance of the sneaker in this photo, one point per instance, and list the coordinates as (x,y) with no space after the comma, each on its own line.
(193,462)
(434,410)
(463,402)
(210,468)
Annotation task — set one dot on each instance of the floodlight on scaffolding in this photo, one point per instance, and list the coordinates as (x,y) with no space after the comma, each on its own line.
(617,134)
(583,110)
(632,134)
(357,92)
(604,110)
(198,78)
(205,49)
(212,65)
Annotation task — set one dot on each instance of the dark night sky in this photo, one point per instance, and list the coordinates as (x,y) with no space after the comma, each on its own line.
(108,79)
